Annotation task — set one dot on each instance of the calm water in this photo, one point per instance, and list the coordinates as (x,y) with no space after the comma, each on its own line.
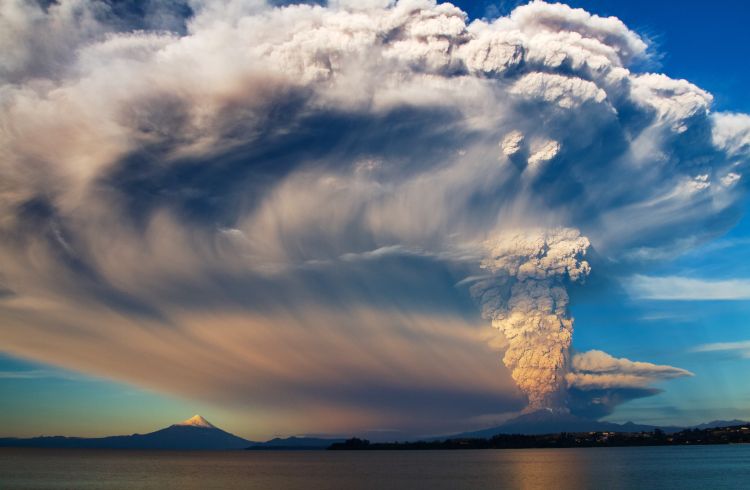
(701,467)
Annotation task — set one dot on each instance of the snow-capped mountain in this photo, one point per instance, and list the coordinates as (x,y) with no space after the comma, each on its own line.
(195,433)
(197,421)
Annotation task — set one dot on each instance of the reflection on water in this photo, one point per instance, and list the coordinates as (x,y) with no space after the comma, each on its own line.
(536,469)
(696,467)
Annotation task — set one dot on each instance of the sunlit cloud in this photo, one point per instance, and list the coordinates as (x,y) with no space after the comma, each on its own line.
(305,211)
(598,370)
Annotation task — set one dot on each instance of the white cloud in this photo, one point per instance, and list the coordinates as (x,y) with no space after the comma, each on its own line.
(685,288)
(597,370)
(511,143)
(742,347)
(730,179)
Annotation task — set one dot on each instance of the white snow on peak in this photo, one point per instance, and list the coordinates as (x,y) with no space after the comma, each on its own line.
(197,421)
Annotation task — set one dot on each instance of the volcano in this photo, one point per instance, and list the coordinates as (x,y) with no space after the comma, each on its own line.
(554,422)
(195,433)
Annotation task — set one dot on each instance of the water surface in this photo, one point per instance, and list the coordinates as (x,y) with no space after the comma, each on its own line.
(691,467)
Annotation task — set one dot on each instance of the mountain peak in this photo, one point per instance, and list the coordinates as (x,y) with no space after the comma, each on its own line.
(198,421)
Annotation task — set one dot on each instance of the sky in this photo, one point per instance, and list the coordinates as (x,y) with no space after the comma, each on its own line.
(308,220)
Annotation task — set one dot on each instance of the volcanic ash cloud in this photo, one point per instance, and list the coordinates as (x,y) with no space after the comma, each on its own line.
(279,200)
(525,298)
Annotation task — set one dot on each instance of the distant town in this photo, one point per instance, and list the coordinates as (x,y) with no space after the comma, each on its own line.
(722,435)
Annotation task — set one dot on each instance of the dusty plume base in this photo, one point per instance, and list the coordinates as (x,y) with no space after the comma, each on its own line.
(525,298)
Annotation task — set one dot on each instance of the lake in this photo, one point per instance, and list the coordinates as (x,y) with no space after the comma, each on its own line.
(682,467)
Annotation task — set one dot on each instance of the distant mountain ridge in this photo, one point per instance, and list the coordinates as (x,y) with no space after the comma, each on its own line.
(289,443)
(720,423)
(195,433)
(548,422)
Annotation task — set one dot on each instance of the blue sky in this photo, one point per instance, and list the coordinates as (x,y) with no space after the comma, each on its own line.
(704,42)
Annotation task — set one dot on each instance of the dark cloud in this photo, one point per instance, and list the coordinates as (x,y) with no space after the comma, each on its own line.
(595,404)
(222,187)
(282,201)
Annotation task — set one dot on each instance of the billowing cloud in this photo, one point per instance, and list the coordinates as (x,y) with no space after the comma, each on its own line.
(231,189)
(598,370)
(525,299)
(598,382)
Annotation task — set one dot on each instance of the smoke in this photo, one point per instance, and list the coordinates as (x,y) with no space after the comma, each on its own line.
(233,188)
(525,298)
(597,382)
(598,370)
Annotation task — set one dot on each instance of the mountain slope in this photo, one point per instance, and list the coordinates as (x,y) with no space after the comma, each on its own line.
(195,433)
(720,423)
(547,422)
(291,443)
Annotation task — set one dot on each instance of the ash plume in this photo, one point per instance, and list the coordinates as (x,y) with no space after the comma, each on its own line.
(279,199)
(525,298)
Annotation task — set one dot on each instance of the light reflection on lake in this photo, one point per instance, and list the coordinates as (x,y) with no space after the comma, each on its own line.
(698,467)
